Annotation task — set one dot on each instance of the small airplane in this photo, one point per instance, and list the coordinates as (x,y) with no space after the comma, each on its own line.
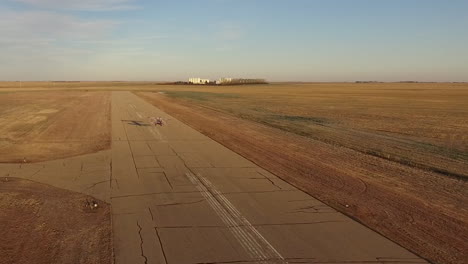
(157,121)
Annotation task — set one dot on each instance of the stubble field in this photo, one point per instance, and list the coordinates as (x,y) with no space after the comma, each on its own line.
(38,126)
(420,125)
(40,223)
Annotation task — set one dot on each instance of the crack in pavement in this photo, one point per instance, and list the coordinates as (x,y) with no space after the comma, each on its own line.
(180,157)
(167,179)
(130,148)
(400,260)
(313,260)
(141,243)
(94,185)
(149,147)
(320,208)
(184,203)
(151,213)
(244,261)
(270,180)
(148,194)
(302,200)
(37,172)
(309,212)
(257,192)
(161,244)
(356,261)
(117,183)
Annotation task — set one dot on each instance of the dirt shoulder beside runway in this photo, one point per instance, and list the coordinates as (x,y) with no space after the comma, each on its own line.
(39,126)
(43,224)
(421,210)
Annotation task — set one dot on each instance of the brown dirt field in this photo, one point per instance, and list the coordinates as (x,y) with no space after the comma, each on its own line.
(43,224)
(418,208)
(48,125)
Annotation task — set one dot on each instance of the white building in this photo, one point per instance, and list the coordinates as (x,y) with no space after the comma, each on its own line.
(199,81)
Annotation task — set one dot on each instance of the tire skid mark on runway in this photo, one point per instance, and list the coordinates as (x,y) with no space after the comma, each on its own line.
(272,251)
(245,241)
(249,238)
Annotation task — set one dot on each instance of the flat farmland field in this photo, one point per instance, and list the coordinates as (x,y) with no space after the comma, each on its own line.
(39,126)
(393,156)
(421,125)
(73,86)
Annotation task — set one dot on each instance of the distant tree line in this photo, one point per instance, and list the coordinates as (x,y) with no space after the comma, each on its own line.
(243,81)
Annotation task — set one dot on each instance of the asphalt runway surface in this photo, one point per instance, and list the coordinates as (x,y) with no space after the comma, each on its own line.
(179,197)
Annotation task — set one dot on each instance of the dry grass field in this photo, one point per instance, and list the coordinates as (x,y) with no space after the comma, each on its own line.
(73,85)
(420,125)
(39,126)
(42,224)
(393,156)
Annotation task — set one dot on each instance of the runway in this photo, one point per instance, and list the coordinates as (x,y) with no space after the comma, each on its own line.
(179,197)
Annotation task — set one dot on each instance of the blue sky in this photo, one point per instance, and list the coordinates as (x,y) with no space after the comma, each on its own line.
(281,40)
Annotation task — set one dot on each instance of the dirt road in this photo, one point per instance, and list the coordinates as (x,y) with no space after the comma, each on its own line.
(179,197)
